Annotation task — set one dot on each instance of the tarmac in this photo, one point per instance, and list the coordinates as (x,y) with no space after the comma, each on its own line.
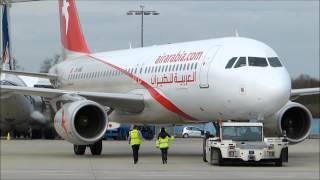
(54,159)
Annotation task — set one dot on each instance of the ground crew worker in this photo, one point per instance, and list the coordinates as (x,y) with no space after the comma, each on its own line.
(163,143)
(135,140)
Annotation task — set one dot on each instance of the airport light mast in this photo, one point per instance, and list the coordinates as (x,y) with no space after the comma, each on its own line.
(142,13)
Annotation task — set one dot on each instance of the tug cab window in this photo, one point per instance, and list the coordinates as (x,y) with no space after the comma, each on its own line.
(274,62)
(231,62)
(257,61)
(242,61)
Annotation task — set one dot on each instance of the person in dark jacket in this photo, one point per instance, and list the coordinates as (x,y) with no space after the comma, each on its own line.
(163,143)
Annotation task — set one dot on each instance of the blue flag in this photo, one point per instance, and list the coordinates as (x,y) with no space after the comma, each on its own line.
(5,37)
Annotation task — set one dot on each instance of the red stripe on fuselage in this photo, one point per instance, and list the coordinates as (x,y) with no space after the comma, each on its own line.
(154,93)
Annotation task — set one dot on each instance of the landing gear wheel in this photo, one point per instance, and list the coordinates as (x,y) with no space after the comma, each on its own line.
(96,148)
(79,149)
(36,134)
(49,133)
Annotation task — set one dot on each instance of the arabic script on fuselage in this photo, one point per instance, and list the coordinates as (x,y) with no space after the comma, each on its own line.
(173,78)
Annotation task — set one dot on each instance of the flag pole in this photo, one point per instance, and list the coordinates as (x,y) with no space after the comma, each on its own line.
(1,5)
(11,65)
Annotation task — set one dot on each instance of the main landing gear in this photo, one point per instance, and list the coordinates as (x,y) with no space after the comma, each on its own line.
(95,148)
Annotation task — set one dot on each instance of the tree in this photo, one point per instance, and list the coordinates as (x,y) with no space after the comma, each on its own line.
(16,65)
(49,62)
(305,81)
(312,102)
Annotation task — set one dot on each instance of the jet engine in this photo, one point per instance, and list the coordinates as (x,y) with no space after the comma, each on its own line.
(81,122)
(293,118)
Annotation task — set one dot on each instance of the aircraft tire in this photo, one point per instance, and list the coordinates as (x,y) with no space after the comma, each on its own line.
(96,148)
(36,134)
(49,133)
(79,149)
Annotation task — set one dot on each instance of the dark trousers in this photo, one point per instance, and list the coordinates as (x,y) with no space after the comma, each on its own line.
(164,154)
(135,151)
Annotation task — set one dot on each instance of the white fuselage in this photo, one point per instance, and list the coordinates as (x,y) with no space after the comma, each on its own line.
(19,112)
(184,82)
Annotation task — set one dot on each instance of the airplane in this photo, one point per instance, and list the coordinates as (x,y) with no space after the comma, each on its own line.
(28,120)
(231,78)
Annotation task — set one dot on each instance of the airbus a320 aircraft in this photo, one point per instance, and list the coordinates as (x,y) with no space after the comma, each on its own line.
(201,81)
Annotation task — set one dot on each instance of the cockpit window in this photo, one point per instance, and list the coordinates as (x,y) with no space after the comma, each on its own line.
(241,62)
(274,62)
(257,61)
(231,62)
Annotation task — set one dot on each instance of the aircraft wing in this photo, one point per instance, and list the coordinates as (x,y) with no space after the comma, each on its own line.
(305,91)
(39,75)
(296,93)
(128,102)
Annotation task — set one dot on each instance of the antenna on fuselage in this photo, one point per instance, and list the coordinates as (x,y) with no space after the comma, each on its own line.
(130,45)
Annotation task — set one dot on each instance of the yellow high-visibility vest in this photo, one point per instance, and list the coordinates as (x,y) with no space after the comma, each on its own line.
(135,137)
(164,142)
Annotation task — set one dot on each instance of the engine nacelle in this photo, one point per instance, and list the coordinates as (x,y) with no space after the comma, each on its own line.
(294,118)
(81,122)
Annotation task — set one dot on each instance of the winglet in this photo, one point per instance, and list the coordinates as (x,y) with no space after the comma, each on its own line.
(72,37)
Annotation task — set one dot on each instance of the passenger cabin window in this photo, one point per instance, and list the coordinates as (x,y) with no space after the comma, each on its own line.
(231,62)
(181,66)
(241,62)
(257,61)
(274,62)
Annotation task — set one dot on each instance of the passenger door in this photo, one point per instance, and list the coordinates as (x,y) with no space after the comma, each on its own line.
(205,66)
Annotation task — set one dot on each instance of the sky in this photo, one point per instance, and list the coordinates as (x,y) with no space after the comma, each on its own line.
(291,28)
